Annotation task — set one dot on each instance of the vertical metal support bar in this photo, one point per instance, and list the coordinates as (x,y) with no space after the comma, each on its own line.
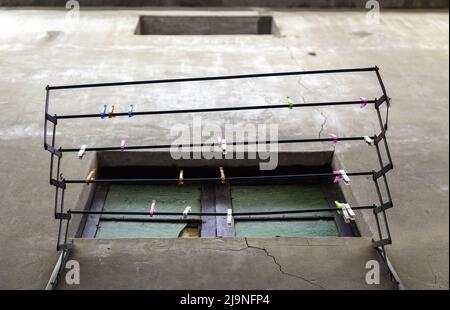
(47,98)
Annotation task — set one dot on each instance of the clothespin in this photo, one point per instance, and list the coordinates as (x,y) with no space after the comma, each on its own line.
(346,211)
(334,137)
(90,177)
(222,175)
(363,102)
(122,145)
(186,211)
(223,145)
(103,111)
(290,103)
(130,110)
(181,178)
(230,217)
(111,111)
(152,208)
(82,151)
(341,175)
(368,140)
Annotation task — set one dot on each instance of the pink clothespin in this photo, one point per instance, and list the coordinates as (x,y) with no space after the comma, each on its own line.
(341,175)
(152,208)
(363,102)
(334,137)
(122,145)
(337,176)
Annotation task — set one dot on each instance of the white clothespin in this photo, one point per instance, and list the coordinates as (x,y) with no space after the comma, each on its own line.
(186,211)
(223,145)
(122,145)
(346,211)
(230,217)
(82,151)
(341,175)
(350,212)
(368,140)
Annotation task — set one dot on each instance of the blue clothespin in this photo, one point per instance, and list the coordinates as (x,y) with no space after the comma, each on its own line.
(130,111)
(103,112)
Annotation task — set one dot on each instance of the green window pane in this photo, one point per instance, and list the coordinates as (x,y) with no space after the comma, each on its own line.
(112,229)
(137,198)
(252,198)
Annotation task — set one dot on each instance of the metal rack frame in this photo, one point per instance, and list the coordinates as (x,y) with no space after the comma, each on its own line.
(379,209)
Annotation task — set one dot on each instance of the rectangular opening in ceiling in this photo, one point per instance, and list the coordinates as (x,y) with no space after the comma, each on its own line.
(205,25)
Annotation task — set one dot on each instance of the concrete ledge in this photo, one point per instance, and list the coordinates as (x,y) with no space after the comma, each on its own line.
(225,263)
(386,4)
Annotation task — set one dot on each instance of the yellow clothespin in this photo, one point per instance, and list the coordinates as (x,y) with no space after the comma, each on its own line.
(222,175)
(111,111)
(90,177)
(181,178)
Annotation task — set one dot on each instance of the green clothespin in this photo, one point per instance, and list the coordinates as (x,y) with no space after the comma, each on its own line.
(340,207)
(290,103)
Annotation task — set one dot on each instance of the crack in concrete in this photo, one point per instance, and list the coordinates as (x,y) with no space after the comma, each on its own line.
(279,265)
(325,119)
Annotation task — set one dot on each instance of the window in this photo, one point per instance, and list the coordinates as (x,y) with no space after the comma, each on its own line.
(214,198)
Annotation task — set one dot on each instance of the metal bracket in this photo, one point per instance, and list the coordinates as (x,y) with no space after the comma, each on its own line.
(51,118)
(63,216)
(383,171)
(65,247)
(380,243)
(380,101)
(382,208)
(379,137)
(57,183)
(53,150)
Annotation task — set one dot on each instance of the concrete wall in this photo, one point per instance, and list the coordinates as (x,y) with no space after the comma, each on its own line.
(409,4)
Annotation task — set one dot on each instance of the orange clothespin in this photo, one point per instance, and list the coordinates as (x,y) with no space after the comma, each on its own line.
(181,178)
(222,175)
(111,111)
(90,177)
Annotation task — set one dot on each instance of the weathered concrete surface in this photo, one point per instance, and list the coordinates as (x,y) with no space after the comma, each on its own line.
(37,47)
(228,263)
(416,4)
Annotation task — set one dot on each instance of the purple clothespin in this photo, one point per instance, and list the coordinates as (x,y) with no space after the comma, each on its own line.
(334,137)
(152,208)
(363,102)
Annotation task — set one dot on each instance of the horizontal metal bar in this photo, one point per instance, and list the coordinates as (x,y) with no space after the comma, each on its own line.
(152,219)
(256,107)
(211,179)
(167,146)
(212,78)
(216,213)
